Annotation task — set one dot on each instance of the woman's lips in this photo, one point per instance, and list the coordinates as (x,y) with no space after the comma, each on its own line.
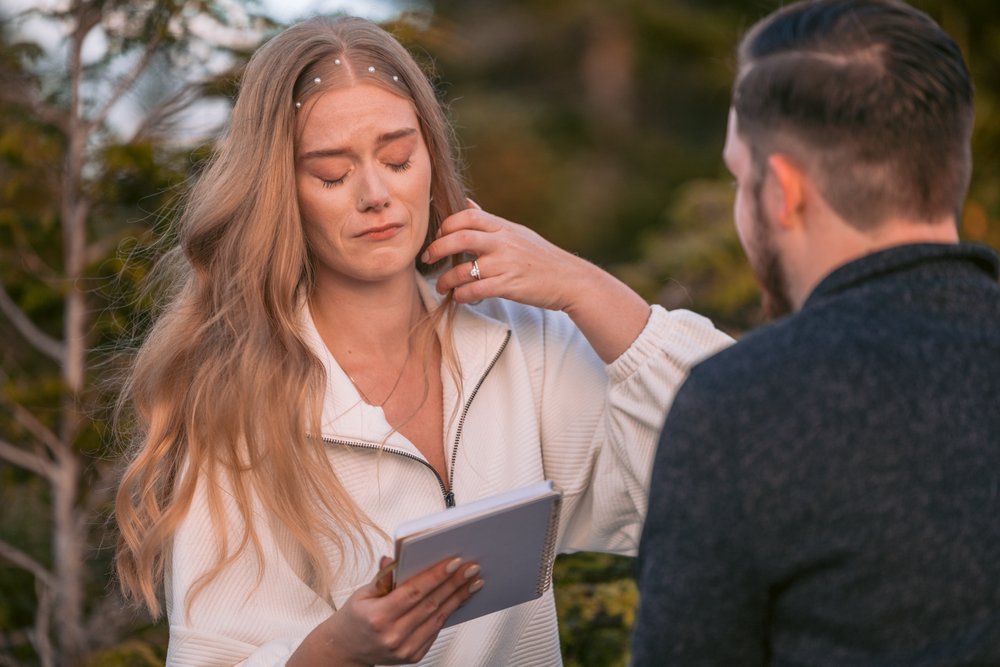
(381,232)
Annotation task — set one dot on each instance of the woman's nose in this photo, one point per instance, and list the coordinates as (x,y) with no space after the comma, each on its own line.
(373,195)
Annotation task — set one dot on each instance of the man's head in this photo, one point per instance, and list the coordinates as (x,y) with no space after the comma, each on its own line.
(870,99)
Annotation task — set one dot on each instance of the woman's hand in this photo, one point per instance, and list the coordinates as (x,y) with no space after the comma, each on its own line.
(378,626)
(516,263)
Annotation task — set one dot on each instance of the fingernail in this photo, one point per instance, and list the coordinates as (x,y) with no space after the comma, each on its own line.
(476,585)
(453,565)
(425,257)
(472,571)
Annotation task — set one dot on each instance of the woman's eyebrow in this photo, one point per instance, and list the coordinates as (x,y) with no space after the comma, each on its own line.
(381,141)
(390,137)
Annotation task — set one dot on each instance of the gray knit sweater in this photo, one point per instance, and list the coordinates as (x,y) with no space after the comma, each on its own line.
(827,491)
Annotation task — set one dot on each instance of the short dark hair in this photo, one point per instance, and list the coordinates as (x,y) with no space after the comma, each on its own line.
(871,95)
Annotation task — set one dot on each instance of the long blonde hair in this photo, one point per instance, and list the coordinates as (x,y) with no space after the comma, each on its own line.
(232,325)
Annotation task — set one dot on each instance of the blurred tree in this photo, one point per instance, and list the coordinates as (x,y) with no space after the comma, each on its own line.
(72,183)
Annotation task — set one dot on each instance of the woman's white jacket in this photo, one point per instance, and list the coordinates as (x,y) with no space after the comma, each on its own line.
(535,402)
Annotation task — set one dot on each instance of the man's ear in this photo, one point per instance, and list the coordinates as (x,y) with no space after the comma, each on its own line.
(784,191)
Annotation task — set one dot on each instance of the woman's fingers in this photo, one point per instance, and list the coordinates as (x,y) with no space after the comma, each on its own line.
(429,599)
(465,231)
(400,626)
(383,580)
(513,262)
(424,635)
(426,593)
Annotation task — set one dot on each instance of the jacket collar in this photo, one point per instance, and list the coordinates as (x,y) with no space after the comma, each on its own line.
(905,258)
(478,339)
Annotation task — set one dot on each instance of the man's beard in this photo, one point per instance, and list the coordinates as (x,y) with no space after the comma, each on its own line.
(767,267)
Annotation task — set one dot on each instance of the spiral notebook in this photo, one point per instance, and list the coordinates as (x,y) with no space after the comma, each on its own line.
(512,536)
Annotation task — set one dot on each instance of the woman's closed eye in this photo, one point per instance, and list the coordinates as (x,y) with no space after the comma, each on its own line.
(332,182)
(397,167)
(400,166)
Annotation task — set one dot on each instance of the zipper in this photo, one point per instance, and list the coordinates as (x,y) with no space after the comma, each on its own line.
(446,489)
(449,497)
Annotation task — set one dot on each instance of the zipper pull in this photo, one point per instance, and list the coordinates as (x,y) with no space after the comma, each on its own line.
(449,499)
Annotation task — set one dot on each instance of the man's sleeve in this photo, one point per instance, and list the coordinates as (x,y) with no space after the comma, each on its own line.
(702,599)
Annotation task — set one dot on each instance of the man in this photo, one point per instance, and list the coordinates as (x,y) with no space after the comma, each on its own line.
(827,491)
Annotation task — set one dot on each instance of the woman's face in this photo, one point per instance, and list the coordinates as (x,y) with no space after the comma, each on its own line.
(363,178)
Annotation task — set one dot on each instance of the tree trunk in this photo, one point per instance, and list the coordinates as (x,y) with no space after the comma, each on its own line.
(69,546)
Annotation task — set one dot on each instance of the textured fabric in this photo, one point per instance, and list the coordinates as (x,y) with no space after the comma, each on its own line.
(536,403)
(827,491)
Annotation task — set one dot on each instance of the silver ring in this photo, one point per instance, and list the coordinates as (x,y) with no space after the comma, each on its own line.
(475,270)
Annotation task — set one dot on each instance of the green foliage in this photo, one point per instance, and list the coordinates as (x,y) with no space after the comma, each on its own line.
(596,598)
(132,653)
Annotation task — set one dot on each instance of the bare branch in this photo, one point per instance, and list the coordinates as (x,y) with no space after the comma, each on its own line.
(7,661)
(25,459)
(36,428)
(33,262)
(40,635)
(40,340)
(22,96)
(125,84)
(14,555)
(29,421)
(19,90)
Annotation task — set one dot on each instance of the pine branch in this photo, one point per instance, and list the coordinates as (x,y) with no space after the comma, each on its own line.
(40,340)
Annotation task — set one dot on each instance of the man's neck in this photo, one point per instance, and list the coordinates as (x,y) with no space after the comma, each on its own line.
(836,243)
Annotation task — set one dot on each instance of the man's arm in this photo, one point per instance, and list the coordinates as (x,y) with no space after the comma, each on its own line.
(702,599)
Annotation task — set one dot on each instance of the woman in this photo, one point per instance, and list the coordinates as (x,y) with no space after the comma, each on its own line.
(306,389)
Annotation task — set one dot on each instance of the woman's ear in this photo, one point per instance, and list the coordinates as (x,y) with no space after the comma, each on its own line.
(784,191)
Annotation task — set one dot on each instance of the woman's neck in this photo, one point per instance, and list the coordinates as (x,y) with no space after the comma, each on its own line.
(367,320)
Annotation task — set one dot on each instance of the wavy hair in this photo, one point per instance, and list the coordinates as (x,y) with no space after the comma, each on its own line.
(231,326)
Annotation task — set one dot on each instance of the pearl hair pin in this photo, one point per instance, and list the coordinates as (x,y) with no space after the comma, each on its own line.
(337,61)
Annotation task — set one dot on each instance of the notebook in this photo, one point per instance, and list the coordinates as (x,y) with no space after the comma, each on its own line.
(512,536)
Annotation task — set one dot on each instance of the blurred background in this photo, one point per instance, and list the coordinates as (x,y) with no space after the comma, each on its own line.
(598,124)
